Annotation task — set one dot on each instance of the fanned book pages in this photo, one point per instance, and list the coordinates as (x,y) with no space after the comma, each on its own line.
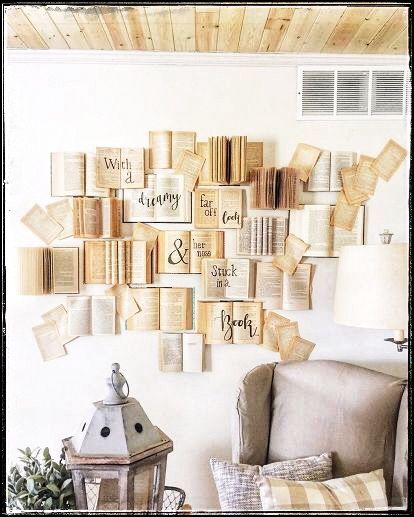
(164,199)
(262,236)
(182,251)
(91,315)
(311,223)
(278,290)
(389,160)
(326,175)
(41,224)
(48,270)
(117,262)
(273,188)
(162,308)
(218,207)
(120,168)
(230,322)
(226,162)
(304,159)
(228,278)
(74,174)
(165,147)
(182,352)
(96,217)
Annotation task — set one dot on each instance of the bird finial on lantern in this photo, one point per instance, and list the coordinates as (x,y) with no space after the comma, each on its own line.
(115,384)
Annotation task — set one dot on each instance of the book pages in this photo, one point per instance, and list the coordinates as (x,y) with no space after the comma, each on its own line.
(294,251)
(270,334)
(172,200)
(91,189)
(272,188)
(160,149)
(59,316)
(176,309)
(145,232)
(126,305)
(189,165)
(353,196)
(31,265)
(41,224)
(269,285)
(205,176)
(140,263)
(247,323)
(304,159)
(95,262)
(296,289)
(319,180)
(299,349)
(79,315)
(205,244)
(174,252)
(48,340)
(311,224)
(353,237)
(181,141)
(103,315)
(366,177)
(254,155)
(148,317)
(108,167)
(344,214)
(215,321)
(339,161)
(65,270)
(389,160)
(193,352)
(170,352)
(67,174)
(61,211)
(132,168)
(213,285)
(206,208)
(285,333)
(230,208)
(237,277)
(262,236)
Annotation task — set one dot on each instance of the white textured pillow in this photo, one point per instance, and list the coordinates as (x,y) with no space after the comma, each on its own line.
(236,486)
(357,492)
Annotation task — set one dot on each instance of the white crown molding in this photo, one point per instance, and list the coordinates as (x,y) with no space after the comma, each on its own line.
(147,58)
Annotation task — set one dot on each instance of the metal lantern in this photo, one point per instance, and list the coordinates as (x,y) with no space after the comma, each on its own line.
(118,458)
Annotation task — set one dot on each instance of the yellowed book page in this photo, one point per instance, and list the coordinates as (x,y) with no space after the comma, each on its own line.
(172,198)
(353,196)
(59,316)
(294,251)
(103,315)
(31,273)
(108,262)
(254,154)
(121,262)
(48,340)
(319,179)
(139,262)
(344,214)
(181,141)
(270,335)
(193,352)
(108,167)
(205,174)
(114,262)
(366,177)
(76,216)
(170,352)
(189,165)
(299,349)
(109,217)
(91,217)
(212,281)
(174,252)
(174,309)
(230,207)
(247,323)
(296,289)
(47,270)
(132,167)
(354,237)
(284,335)
(139,204)
(160,149)
(79,315)
(126,305)
(237,276)
(389,160)
(269,285)
(145,232)
(61,211)
(68,174)
(65,267)
(311,224)
(206,208)
(205,244)
(41,224)
(90,179)
(304,159)
(340,160)
(148,301)
(218,322)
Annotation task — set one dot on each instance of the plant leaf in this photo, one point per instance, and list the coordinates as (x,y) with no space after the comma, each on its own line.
(66,483)
(30,484)
(28,452)
(48,503)
(53,488)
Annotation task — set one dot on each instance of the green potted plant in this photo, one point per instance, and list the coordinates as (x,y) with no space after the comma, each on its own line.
(40,484)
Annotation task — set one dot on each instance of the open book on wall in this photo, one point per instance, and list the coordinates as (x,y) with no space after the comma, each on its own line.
(231,278)
(96,217)
(165,147)
(181,352)
(262,235)
(230,322)
(164,199)
(218,207)
(311,223)
(91,315)
(182,251)
(120,168)
(326,175)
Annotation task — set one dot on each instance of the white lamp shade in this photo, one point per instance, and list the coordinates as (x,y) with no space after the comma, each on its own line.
(372,286)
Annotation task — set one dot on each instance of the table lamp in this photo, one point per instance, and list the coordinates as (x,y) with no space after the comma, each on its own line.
(372,289)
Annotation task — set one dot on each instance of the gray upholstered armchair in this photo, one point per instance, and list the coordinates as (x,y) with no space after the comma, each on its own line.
(296,409)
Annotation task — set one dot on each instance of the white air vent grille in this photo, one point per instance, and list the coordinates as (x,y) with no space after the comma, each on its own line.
(352,92)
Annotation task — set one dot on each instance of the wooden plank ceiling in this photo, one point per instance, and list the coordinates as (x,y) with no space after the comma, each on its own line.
(211,28)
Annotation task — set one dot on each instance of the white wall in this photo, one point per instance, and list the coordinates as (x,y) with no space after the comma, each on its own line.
(63,107)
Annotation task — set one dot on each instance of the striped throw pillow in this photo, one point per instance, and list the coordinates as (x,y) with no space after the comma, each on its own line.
(357,492)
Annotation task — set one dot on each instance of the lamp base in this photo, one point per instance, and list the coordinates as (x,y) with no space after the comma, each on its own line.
(401,345)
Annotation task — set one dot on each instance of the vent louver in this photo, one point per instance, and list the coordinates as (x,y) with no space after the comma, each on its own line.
(318,93)
(388,92)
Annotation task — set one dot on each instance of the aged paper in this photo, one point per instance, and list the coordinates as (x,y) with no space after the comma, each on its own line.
(61,211)
(206,208)
(176,309)
(213,285)
(160,149)
(148,301)
(94,261)
(48,340)
(389,160)
(353,196)
(215,321)
(311,224)
(304,159)
(354,237)
(91,189)
(41,224)
(366,177)
(181,141)
(296,289)
(285,333)
(294,251)
(339,161)
(344,214)
(103,315)
(31,267)
(65,268)
(319,180)
(270,335)
(247,323)
(145,232)
(68,174)
(254,154)
(170,352)
(205,244)
(132,167)
(269,285)
(174,251)
(108,164)
(126,305)
(189,165)
(205,174)
(299,349)
(59,316)
(79,315)
(230,208)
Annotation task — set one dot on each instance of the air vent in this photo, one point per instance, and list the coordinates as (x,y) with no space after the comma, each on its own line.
(352,92)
